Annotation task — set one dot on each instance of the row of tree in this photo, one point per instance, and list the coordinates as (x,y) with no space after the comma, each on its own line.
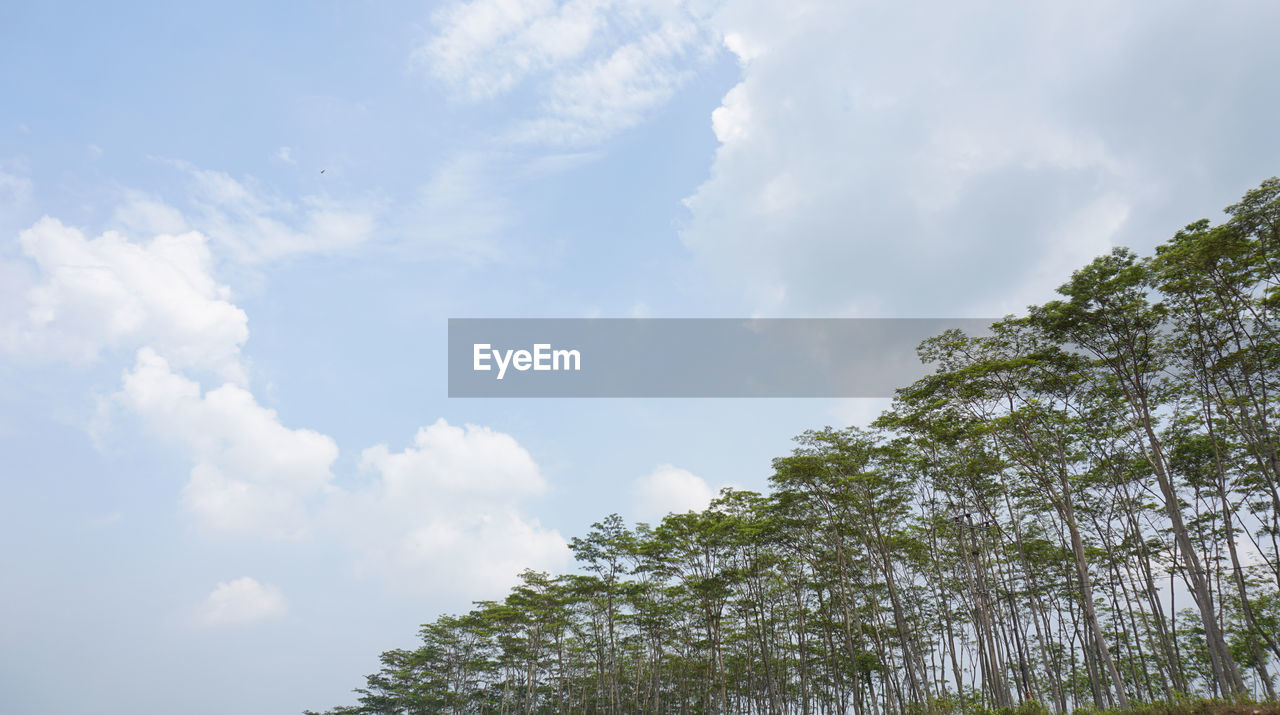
(1079,508)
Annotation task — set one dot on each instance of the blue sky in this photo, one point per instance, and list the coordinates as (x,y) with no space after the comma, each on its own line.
(232,475)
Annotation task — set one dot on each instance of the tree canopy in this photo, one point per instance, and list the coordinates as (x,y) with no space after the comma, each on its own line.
(1080,508)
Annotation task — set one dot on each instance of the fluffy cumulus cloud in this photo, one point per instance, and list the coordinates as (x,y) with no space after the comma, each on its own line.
(669,489)
(443,514)
(108,292)
(239,602)
(596,67)
(251,474)
(888,158)
(440,516)
(884,158)
(150,280)
(471,460)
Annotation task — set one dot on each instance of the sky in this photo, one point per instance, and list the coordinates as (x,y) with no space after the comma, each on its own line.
(232,234)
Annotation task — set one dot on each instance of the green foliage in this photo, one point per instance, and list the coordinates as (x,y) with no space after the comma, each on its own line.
(1021,533)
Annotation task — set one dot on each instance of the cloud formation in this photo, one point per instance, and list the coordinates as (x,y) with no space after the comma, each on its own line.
(109,292)
(149,281)
(251,475)
(968,169)
(669,489)
(239,602)
(254,226)
(440,516)
(443,513)
(596,67)
(964,172)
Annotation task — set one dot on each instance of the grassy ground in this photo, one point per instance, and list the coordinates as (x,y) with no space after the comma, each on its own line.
(1189,707)
(1201,708)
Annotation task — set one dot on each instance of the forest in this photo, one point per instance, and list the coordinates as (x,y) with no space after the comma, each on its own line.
(1078,510)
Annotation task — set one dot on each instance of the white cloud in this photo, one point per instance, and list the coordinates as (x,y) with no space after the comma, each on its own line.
(472,460)
(1086,232)
(596,66)
(486,46)
(149,282)
(616,92)
(143,215)
(110,292)
(440,516)
(974,166)
(285,154)
(240,602)
(859,411)
(443,514)
(254,226)
(670,489)
(251,475)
